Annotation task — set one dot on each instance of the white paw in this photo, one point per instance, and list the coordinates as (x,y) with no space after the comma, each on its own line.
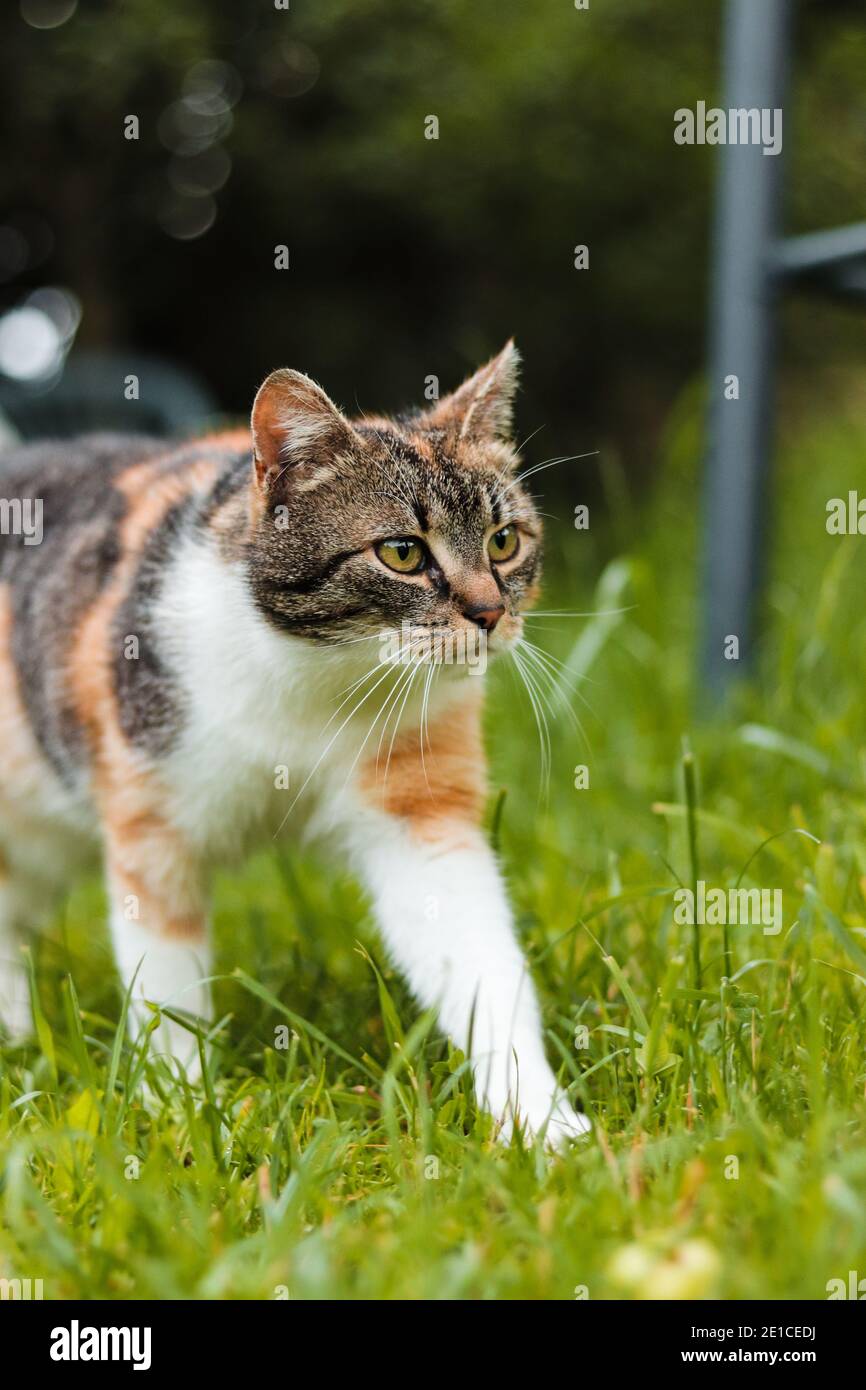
(565,1125)
(545,1110)
(16,1016)
(16,1030)
(170,1042)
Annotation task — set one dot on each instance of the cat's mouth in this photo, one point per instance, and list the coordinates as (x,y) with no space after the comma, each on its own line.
(465,649)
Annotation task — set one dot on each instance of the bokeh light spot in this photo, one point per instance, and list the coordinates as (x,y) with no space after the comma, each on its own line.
(31,346)
(47,14)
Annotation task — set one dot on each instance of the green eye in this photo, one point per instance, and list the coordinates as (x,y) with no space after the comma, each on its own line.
(404,555)
(503,544)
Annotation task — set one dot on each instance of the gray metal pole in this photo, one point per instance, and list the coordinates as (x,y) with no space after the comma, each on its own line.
(741,343)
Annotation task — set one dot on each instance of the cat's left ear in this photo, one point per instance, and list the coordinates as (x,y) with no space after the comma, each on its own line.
(294,422)
(482,408)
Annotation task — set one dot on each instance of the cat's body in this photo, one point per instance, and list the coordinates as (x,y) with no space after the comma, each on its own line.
(190,662)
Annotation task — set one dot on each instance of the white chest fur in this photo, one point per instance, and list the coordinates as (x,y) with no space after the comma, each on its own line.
(273,729)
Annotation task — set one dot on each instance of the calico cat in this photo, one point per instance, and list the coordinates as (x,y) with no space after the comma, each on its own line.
(201,623)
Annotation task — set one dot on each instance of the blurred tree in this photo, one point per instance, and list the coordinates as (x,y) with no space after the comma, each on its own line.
(409,256)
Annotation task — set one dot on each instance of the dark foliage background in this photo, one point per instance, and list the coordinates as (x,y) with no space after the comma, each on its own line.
(408,256)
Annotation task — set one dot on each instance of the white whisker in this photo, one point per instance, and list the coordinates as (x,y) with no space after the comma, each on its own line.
(539,714)
(401,687)
(331,743)
(423,722)
(549,463)
(368,735)
(577,613)
(397,729)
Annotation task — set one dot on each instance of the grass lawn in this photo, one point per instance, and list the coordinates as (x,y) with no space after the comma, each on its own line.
(728,1157)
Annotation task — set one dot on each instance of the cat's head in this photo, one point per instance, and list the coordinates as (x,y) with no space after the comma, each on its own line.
(367,526)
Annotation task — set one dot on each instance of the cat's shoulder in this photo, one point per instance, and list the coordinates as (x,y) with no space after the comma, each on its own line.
(59,463)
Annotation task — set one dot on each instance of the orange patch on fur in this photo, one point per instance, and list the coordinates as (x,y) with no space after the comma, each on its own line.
(443,789)
(150,498)
(532,595)
(145,858)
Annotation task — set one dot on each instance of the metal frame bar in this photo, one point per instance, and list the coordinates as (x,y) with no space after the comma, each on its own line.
(741,343)
(751,267)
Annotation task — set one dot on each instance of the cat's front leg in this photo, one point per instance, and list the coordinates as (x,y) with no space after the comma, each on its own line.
(445,919)
(15,1014)
(158,927)
(444,915)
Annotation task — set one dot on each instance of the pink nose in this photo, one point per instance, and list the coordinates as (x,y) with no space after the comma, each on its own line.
(486,618)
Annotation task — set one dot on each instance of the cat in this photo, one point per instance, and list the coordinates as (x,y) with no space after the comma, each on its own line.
(202,624)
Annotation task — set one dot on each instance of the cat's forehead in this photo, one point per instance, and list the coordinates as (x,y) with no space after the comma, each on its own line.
(443,483)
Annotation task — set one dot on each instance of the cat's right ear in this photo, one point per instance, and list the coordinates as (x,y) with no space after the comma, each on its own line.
(294,422)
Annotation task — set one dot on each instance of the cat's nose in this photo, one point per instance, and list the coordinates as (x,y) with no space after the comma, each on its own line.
(486,617)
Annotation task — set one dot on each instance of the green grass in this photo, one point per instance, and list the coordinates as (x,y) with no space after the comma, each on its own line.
(353,1164)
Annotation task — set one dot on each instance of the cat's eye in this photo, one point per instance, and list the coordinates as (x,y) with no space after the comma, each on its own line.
(503,544)
(405,555)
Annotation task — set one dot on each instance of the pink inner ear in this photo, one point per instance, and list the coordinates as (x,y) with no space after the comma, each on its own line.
(292,418)
(267,433)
